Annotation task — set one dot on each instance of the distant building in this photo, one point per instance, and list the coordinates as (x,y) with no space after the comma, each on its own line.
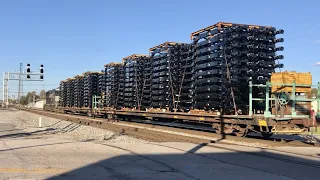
(52,97)
(37,104)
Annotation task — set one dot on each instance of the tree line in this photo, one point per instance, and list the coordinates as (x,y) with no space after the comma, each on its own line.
(32,96)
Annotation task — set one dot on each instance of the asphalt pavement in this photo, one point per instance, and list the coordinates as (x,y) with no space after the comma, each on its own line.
(27,155)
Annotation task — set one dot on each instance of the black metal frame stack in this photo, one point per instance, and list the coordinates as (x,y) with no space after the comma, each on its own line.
(235,45)
(161,86)
(263,58)
(69,92)
(134,79)
(251,56)
(114,75)
(120,87)
(63,93)
(130,83)
(102,87)
(146,87)
(78,91)
(227,58)
(210,73)
(183,77)
(90,88)
(109,84)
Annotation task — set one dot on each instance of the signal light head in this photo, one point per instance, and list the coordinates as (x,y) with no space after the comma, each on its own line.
(28,68)
(41,68)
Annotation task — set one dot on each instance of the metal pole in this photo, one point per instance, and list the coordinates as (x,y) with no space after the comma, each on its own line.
(21,88)
(318,101)
(7,88)
(267,113)
(267,97)
(92,103)
(250,98)
(3,91)
(293,97)
(20,80)
(40,122)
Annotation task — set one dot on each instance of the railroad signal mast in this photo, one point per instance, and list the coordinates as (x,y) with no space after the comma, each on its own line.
(20,76)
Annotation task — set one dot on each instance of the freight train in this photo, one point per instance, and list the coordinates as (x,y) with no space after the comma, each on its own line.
(222,77)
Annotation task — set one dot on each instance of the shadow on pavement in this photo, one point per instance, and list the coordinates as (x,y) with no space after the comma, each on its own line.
(41,145)
(11,130)
(69,128)
(192,165)
(54,124)
(25,147)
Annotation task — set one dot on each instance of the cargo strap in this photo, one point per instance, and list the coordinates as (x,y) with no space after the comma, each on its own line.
(229,79)
(183,75)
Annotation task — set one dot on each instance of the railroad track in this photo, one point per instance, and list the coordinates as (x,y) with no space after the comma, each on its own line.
(164,132)
(208,128)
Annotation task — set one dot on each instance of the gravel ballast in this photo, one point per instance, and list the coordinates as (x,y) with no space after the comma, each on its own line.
(29,122)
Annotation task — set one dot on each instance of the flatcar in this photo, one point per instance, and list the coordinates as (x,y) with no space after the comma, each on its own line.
(285,112)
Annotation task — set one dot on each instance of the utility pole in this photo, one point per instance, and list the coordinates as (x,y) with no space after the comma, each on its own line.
(5,90)
(20,83)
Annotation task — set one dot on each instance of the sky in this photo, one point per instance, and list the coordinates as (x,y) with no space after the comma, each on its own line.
(74,36)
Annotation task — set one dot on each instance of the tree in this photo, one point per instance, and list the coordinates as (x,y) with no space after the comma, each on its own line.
(43,95)
(26,99)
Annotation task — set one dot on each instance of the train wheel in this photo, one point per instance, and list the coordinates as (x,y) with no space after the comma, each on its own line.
(226,129)
(241,131)
(218,130)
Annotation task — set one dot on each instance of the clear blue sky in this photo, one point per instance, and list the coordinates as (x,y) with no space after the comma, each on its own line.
(70,37)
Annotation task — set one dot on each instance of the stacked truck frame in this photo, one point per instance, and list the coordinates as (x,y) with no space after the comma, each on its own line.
(228,76)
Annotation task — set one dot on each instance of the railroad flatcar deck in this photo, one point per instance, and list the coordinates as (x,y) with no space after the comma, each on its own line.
(239,125)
